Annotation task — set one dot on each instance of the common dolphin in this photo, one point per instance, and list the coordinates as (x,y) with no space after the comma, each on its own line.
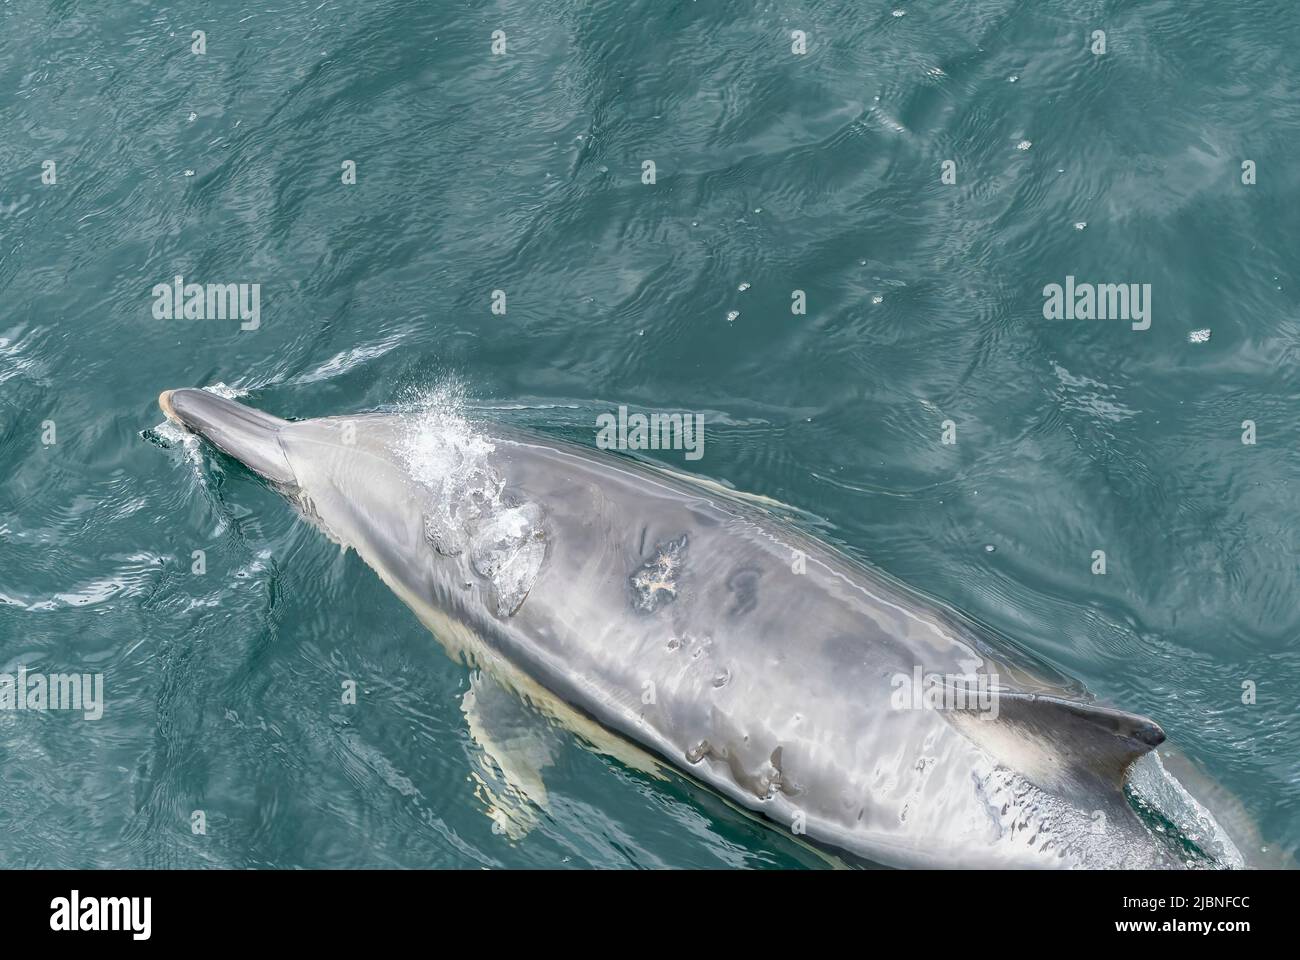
(714,637)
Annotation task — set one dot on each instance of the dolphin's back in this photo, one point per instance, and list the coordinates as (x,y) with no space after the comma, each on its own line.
(765,663)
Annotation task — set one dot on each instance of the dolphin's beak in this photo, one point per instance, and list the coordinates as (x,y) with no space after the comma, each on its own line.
(165,404)
(250,436)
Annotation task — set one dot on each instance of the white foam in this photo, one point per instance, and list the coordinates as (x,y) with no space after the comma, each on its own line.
(1157,787)
(468,509)
(225,391)
(341,363)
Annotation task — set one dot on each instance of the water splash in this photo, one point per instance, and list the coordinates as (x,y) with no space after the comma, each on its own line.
(1160,798)
(469,511)
(444,452)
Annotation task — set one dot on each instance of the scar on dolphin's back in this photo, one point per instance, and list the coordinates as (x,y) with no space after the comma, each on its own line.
(655,583)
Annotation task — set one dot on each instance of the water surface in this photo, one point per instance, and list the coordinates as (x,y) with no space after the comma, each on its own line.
(523,173)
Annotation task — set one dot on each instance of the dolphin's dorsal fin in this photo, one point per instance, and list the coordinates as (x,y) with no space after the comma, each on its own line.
(1058,744)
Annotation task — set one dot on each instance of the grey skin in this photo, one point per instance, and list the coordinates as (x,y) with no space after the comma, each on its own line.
(672,614)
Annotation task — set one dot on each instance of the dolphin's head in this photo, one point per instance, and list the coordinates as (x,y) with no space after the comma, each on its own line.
(347,475)
(419,500)
(250,436)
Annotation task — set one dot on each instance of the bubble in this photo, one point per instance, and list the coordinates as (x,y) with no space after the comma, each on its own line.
(507,548)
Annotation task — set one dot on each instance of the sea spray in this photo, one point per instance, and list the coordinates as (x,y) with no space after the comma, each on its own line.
(1158,795)
(468,509)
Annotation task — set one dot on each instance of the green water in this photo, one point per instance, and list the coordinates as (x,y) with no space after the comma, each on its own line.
(522,172)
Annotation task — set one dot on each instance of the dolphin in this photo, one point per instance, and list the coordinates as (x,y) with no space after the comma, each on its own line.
(698,631)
